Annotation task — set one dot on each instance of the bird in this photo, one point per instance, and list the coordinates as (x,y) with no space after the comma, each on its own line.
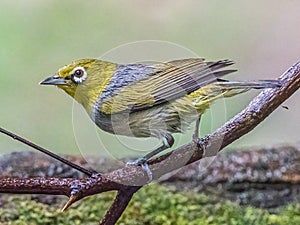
(150,100)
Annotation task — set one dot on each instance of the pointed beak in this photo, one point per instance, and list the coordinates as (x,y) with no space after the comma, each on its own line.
(54,80)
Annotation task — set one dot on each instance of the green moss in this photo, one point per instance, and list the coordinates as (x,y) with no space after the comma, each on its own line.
(153,204)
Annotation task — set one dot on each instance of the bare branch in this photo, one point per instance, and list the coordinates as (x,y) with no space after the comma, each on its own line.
(59,186)
(119,205)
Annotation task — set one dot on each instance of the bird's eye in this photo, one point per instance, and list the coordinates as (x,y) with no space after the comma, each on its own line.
(78,75)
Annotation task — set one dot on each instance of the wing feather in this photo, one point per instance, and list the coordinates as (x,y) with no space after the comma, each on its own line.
(167,82)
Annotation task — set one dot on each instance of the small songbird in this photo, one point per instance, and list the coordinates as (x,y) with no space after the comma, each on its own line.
(149,100)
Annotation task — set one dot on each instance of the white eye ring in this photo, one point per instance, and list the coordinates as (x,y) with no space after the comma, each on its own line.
(78,74)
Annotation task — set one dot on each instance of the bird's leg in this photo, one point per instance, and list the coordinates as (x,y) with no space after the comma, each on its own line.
(168,141)
(196,137)
(196,132)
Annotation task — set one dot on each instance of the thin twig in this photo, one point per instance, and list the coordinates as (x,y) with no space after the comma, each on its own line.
(47,152)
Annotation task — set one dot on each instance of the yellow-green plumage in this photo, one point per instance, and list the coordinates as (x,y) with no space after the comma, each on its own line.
(148,100)
(88,92)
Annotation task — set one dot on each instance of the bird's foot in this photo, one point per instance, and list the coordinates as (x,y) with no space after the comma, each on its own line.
(137,162)
(143,163)
(201,142)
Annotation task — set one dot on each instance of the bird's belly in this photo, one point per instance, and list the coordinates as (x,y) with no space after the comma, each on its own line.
(174,117)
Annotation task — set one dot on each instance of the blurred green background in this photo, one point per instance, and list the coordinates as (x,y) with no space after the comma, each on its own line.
(38,37)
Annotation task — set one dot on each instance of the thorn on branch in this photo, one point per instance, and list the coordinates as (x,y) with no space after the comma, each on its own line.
(72,199)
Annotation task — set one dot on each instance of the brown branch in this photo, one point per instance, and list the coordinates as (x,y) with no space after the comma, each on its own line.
(59,186)
(119,205)
(129,179)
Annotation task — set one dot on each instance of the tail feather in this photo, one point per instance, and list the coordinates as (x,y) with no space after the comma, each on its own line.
(258,84)
(224,88)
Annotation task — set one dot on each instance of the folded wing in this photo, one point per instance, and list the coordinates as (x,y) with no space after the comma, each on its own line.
(167,82)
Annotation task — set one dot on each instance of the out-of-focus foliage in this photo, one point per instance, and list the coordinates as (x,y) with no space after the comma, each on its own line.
(153,205)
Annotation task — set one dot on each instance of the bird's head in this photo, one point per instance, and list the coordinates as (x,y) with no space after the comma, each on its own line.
(84,79)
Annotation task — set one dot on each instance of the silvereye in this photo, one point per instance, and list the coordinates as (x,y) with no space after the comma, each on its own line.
(143,100)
